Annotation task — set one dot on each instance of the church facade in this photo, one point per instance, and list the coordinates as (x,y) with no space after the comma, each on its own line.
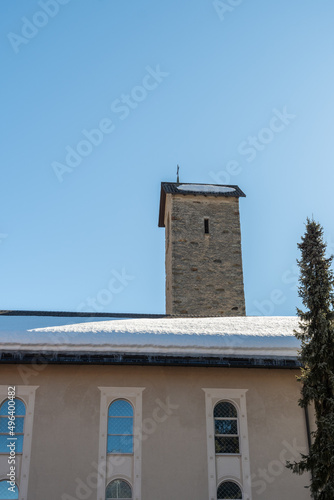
(199,403)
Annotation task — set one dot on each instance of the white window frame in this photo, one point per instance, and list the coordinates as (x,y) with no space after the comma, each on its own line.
(238,398)
(134,396)
(27,394)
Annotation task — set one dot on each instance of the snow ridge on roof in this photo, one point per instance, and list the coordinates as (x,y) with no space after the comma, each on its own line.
(233,335)
(207,188)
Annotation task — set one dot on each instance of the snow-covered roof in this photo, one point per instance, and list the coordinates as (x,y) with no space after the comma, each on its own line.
(207,188)
(232,336)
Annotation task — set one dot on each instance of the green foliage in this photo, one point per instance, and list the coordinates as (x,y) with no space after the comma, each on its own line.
(317,357)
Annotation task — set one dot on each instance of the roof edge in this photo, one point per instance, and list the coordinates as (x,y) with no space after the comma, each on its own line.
(161,220)
(69,314)
(76,358)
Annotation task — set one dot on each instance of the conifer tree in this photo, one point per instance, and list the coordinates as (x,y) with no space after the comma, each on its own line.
(317,358)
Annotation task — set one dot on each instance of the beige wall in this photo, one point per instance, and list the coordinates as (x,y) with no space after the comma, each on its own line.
(174,454)
(208,265)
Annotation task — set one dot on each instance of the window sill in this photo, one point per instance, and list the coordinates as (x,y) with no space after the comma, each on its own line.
(228,454)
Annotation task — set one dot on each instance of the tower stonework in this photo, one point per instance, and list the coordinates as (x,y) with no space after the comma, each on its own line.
(203,249)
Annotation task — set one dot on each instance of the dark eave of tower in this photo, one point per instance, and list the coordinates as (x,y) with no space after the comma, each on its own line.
(175,188)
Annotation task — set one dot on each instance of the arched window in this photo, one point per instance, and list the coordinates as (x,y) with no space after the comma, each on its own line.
(229,490)
(118,489)
(226,428)
(12,408)
(5,493)
(120,428)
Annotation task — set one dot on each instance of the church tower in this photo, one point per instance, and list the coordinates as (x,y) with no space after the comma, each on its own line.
(203,249)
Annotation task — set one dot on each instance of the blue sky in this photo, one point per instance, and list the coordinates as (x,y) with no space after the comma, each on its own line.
(235,92)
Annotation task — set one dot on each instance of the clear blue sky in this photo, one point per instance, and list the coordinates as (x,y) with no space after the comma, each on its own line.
(203,84)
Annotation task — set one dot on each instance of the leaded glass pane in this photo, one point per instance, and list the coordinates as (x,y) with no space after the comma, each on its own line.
(224,409)
(226,427)
(3,443)
(6,494)
(120,444)
(5,439)
(3,424)
(19,407)
(4,408)
(229,490)
(120,408)
(18,427)
(227,444)
(119,425)
(118,489)
(19,424)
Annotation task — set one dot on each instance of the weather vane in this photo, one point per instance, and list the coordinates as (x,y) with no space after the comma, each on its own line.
(177,175)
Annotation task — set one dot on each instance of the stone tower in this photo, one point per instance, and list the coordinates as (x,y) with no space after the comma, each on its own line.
(203,249)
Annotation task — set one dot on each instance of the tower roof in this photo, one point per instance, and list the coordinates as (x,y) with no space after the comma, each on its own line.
(195,189)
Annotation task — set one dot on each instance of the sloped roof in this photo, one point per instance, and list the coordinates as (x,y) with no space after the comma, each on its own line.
(184,188)
(222,336)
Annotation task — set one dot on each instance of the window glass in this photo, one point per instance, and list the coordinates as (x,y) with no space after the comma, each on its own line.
(120,408)
(226,428)
(118,489)
(120,427)
(224,409)
(5,493)
(229,490)
(8,409)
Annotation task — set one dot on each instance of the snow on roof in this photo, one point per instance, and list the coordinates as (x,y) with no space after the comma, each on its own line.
(208,188)
(250,335)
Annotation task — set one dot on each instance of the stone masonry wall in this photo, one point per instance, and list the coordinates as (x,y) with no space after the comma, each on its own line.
(203,271)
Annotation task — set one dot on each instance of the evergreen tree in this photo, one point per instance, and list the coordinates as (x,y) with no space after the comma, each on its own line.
(317,359)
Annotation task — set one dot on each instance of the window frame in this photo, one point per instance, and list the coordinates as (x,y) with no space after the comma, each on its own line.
(26,393)
(107,396)
(242,475)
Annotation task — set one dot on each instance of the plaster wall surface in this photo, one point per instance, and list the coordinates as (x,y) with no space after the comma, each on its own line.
(64,452)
